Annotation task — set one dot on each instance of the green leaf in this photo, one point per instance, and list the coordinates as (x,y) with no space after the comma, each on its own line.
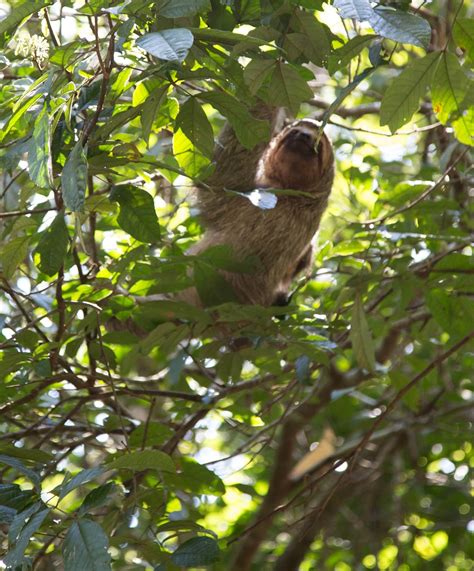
(74,178)
(317,45)
(360,10)
(362,343)
(150,109)
(401,100)
(343,55)
(449,88)
(24,525)
(212,287)
(256,72)
(18,13)
(180,8)
(464,127)
(85,547)
(225,37)
(168,45)
(463,33)
(96,498)
(189,158)
(20,467)
(12,496)
(137,213)
(287,88)
(401,27)
(39,152)
(199,479)
(195,125)
(53,245)
(249,130)
(13,253)
(143,460)
(393,24)
(196,552)
(79,479)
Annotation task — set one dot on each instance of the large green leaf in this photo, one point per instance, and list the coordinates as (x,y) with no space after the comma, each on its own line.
(249,130)
(256,72)
(212,287)
(74,178)
(463,32)
(362,342)
(196,552)
(401,27)
(193,163)
(143,460)
(18,14)
(393,24)
(39,151)
(450,87)
(317,45)
(150,109)
(53,245)
(137,213)
(179,8)
(169,45)
(402,97)
(287,88)
(195,125)
(85,547)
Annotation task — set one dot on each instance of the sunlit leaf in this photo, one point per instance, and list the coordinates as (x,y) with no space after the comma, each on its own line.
(343,55)
(463,32)
(195,125)
(362,343)
(137,213)
(74,178)
(20,13)
(143,460)
(169,45)
(39,151)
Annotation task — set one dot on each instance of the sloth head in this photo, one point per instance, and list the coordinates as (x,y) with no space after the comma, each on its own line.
(297,158)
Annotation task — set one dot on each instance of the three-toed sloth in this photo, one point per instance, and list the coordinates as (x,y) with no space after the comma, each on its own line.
(298,158)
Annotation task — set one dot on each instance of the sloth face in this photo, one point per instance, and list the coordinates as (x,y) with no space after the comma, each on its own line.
(301,139)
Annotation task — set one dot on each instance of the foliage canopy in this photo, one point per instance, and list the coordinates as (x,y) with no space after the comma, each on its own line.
(164,446)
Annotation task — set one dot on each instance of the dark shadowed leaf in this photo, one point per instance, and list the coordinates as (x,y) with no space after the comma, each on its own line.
(249,130)
(74,178)
(53,245)
(85,547)
(137,213)
(169,45)
(212,287)
(196,552)
(402,97)
(287,88)
(24,525)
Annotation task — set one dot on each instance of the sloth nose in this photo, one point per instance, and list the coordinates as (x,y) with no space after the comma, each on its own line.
(304,137)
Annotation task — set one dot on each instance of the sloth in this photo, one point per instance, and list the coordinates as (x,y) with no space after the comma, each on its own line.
(299,158)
